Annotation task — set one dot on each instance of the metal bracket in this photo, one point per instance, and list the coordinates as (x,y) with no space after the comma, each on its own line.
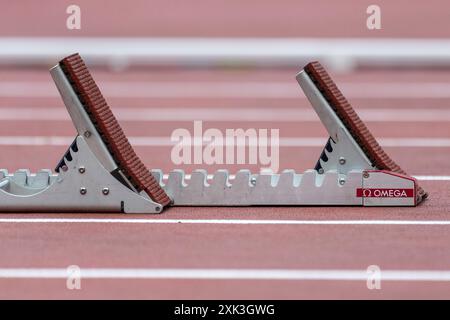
(84,185)
(341,153)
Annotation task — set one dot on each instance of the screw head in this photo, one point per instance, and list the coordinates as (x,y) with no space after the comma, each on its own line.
(342,160)
(253,181)
(320,171)
(64,168)
(87,133)
(366,175)
(83,190)
(105,191)
(81,170)
(341,181)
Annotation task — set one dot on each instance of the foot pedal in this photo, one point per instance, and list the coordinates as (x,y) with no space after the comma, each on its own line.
(366,142)
(109,130)
(100,171)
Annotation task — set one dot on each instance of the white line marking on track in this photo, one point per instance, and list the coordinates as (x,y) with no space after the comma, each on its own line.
(165,141)
(223,114)
(342,53)
(238,89)
(421,178)
(229,221)
(433,178)
(226,274)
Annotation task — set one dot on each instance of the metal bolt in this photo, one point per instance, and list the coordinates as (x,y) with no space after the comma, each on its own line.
(341,181)
(342,160)
(64,168)
(320,171)
(105,191)
(83,190)
(81,170)
(157,209)
(253,180)
(87,133)
(366,175)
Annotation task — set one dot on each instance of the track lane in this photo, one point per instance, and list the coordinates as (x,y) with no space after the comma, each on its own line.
(294,18)
(228,290)
(225,246)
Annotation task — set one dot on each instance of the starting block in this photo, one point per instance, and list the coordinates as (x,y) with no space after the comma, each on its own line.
(100,172)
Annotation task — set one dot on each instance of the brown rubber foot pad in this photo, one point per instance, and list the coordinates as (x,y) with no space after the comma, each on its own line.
(110,130)
(353,123)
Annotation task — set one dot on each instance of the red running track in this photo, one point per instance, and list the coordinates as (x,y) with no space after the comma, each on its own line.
(186,246)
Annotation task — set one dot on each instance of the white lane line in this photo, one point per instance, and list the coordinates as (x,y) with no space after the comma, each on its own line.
(230,90)
(296,115)
(421,178)
(433,178)
(228,221)
(385,142)
(342,53)
(226,274)
(166,142)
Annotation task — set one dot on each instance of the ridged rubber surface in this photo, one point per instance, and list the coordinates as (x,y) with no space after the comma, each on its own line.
(353,123)
(110,130)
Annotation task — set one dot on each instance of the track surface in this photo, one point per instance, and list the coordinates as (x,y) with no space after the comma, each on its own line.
(230,246)
(408,110)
